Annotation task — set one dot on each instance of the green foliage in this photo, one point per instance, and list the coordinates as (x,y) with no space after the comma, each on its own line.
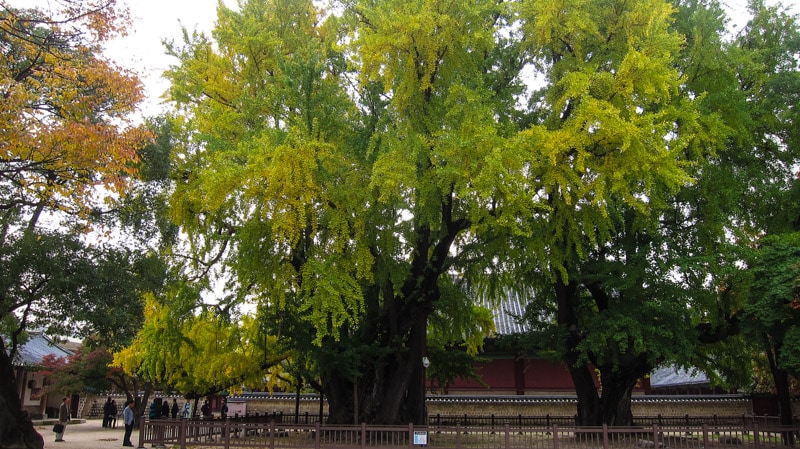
(338,170)
(772,313)
(53,281)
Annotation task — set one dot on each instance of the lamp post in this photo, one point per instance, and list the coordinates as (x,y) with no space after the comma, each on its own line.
(425,364)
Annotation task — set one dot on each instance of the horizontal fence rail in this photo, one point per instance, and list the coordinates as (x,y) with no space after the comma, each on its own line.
(506,435)
(547,420)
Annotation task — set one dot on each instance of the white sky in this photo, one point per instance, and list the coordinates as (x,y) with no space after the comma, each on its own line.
(153,22)
(156,20)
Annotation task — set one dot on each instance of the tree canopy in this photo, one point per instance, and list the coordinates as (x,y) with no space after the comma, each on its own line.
(355,175)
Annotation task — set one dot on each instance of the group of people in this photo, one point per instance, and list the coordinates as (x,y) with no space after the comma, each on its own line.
(64,417)
(205,410)
(128,415)
(165,411)
(110,413)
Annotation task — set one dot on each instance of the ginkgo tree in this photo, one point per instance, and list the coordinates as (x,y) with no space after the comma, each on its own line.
(357,171)
(67,150)
(202,352)
(658,285)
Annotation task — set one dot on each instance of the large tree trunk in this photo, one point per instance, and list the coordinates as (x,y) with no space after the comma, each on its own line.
(618,377)
(588,407)
(16,428)
(618,384)
(613,407)
(391,388)
(782,391)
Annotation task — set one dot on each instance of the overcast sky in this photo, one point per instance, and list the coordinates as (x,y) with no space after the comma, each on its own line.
(156,20)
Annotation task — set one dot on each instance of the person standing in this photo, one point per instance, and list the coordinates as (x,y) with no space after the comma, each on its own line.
(127,418)
(187,410)
(154,410)
(109,410)
(63,418)
(112,418)
(174,408)
(205,410)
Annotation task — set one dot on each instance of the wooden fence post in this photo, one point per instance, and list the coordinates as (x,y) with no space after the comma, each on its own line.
(272,434)
(142,424)
(363,434)
(182,434)
(705,435)
(605,436)
(227,436)
(555,436)
(756,441)
(318,428)
(655,436)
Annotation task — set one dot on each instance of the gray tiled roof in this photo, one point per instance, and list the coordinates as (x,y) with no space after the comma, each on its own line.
(671,376)
(38,346)
(506,314)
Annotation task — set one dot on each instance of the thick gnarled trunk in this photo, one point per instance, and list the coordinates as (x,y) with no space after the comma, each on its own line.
(619,377)
(783,392)
(612,406)
(391,387)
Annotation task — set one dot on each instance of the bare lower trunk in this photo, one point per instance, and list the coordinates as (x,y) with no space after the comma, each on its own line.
(588,408)
(619,377)
(391,388)
(783,393)
(613,407)
(616,400)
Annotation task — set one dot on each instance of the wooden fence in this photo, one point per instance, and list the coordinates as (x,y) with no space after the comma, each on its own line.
(243,434)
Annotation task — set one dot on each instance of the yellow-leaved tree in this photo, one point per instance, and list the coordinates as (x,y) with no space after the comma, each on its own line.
(352,170)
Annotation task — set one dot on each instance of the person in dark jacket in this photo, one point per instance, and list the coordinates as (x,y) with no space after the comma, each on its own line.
(112,417)
(63,418)
(109,412)
(164,409)
(174,409)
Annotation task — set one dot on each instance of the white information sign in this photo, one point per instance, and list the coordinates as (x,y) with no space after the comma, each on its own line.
(421,437)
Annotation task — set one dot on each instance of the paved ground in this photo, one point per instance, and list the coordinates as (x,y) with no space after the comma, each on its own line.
(87,435)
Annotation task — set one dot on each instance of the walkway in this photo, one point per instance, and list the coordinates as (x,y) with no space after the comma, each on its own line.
(86,435)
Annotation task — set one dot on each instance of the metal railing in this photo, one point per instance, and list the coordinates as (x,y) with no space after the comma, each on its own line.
(240,434)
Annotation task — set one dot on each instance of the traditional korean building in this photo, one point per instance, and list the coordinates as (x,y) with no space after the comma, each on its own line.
(30,381)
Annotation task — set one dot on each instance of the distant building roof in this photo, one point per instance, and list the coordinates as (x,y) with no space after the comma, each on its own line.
(36,348)
(670,376)
(506,314)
